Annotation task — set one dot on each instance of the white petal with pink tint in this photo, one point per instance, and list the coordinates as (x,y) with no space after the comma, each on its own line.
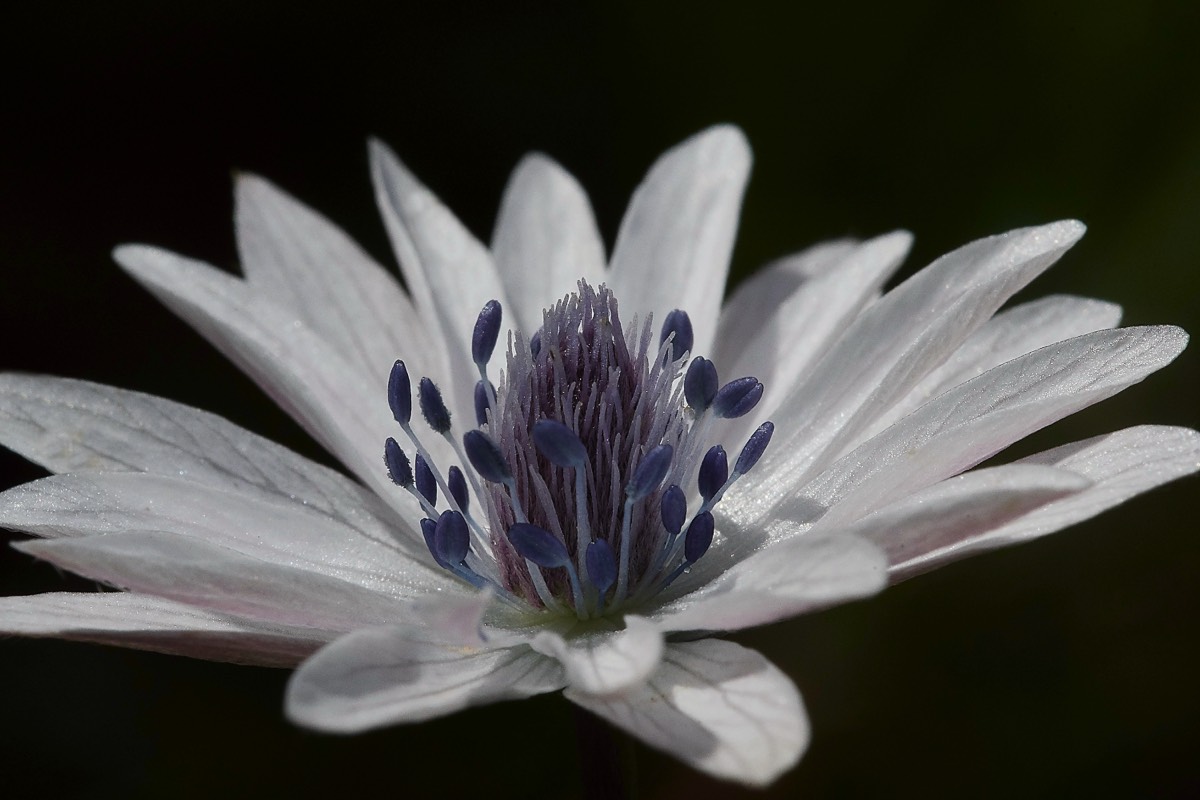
(390,675)
(606,662)
(717,706)
(545,239)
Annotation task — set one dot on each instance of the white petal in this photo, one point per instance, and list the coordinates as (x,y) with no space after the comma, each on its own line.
(384,676)
(446,268)
(74,426)
(151,623)
(1119,465)
(889,348)
(1006,336)
(845,274)
(194,572)
(716,706)
(299,259)
(545,239)
(790,339)
(609,661)
(284,532)
(960,509)
(674,244)
(983,416)
(341,409)
(804,573)
(762,292)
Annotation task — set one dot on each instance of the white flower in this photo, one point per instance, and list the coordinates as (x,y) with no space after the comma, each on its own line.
(230,547)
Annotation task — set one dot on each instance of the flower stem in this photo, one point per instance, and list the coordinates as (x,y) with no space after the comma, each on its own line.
(606,758)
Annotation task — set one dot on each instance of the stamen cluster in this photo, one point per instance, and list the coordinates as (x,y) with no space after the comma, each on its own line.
(580,459)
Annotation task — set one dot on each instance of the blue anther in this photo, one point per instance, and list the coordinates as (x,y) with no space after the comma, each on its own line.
(399,470)
(755,446)
(679,323)
(538,545)
(429,531)
(432,407)
(700,384)
(674,509)
(451,537)
(559,443)
(426,482)
(698,537)
(650,472)
(485,456)
(400,393)
(601,566)
(737,397)
(482,392)
(714,471)
(458,488)
(487,329)
(535,344)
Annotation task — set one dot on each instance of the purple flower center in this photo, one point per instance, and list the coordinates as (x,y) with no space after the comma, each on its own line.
(586,454)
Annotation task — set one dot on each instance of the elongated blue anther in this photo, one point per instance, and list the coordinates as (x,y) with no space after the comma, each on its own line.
(400,393)
(601,566)
(674,509)
(755,446)
(458,488)
(426,482)
(432,406)
(487,330)
(714,471)
(679,323)
(398,468)
(429,531)
(559,443)
(485,456)
(482,392)
(538,545)
(650,472)
(698,537)
(451,537)
(737,397)
(535,344)
(700,384)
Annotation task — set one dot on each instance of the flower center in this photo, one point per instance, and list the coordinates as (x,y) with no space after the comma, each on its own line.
(583,459)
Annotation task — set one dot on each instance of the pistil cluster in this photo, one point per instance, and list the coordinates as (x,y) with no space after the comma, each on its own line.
(582,460)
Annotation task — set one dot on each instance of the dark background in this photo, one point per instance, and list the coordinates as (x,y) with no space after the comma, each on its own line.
(1061,668)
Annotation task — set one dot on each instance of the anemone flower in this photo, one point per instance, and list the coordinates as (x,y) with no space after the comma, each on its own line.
(561,511)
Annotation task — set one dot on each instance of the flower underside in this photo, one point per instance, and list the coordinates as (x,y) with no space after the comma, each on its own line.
(583,458)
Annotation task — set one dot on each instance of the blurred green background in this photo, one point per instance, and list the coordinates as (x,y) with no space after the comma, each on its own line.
(1062,668)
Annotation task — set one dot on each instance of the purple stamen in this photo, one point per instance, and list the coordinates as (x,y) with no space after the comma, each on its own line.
(601,567)
(754,449)
(714,471)
(650,473)
(485,456)
(698,537)
(458,488)
(487,330)
(400,393)
(451,537)
(483,401)
(700,384)
(433,408)
(398,468)
(673,509)
(738,397)
(680,324)
(426,481)
(559,443)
